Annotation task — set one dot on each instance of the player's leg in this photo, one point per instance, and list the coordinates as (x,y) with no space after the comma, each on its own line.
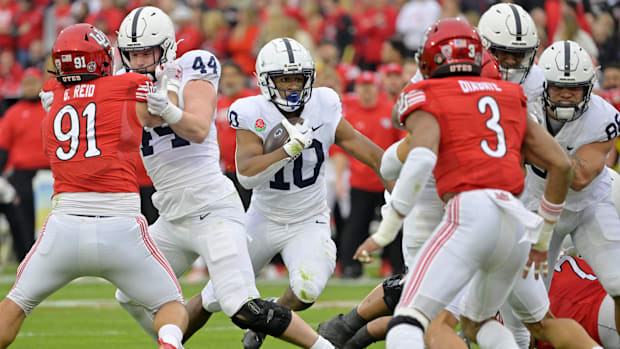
(607,324)
(372,332)
(465,243)
(167,237)
(562,333)
(310,257)
(441,331)
(49,265)
(133,265)
(598,240)
(379,302)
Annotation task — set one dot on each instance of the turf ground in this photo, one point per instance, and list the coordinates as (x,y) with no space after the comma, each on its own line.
(84,314)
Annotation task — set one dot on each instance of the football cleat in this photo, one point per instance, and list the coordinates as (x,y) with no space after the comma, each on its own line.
(253,340)
(336,331)
(164,345)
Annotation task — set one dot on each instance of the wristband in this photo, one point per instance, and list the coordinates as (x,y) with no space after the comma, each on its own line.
(172,114)
(549,211)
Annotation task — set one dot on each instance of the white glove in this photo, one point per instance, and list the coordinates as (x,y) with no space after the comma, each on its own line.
(7,192)
(173,72)
(158,104)
(389,227)
(300,138)
(47,98)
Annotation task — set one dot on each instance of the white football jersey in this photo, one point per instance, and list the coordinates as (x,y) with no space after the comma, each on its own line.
(298,190)
(598,124)
(533,90)
(186,175)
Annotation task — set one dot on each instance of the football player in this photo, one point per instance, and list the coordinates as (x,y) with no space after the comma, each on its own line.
(201,213)
(92,135)
(288,213)
(586,127)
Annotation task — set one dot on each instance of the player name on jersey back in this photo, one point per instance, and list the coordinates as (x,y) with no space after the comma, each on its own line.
(79,91)
(477,86)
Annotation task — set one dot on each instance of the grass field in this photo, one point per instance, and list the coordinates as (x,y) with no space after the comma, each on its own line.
(84,314)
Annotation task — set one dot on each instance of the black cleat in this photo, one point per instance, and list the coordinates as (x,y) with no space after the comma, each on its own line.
(336,331)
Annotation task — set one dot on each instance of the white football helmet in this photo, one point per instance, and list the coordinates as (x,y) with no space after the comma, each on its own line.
(509,28)
(285,56)
(143,28)
(566,64)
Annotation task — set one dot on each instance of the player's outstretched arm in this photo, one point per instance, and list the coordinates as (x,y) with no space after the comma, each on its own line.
(361,148)
(588,162)
(540,149)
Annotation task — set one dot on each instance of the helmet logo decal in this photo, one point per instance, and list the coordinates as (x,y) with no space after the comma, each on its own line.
(439,59)
(134,25)
(517,21)
(566,58)
(446,51)
(259,125)
(289,50)
(66,58)
(91,66)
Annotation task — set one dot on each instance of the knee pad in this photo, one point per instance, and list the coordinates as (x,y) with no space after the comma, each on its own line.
(392,288)
(305,290)
(263,316)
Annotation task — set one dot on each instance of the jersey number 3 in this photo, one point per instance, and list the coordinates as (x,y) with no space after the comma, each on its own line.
(484,104)
(73,133)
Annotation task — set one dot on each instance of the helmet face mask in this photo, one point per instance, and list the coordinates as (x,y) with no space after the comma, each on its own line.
(147,28)
(280,57)
(81,53)
(566,65)
(508,31)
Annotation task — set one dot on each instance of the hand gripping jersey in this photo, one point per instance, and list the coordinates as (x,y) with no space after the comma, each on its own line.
(298,190)
(92,134)
(576,294)
(482,122)
(599,123)
(186,175)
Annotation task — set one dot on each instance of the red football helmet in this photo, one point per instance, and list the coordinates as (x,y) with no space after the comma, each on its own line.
(490,67)
(451,47)
(81,53)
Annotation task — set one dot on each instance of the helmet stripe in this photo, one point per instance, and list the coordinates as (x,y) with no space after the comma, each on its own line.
(517,21)
(289,50)
(134,25)
(566,58)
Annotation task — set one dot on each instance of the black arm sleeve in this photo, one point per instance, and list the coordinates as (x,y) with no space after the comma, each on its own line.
(4,157)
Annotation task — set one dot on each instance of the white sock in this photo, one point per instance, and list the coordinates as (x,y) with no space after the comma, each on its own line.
(322,343)
(405,336)
(492,335)
(171,334)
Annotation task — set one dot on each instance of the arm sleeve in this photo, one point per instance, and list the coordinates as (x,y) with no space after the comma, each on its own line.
(390,164)
(262,177)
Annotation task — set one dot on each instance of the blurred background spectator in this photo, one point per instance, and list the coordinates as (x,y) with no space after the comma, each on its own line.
(344,37)
(21,155)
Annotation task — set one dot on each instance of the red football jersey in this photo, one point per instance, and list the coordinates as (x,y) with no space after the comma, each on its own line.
(92,134)
(576,294)
(482,122)
(374,122)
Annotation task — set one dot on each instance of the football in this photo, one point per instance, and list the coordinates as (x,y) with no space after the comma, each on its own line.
(278,136)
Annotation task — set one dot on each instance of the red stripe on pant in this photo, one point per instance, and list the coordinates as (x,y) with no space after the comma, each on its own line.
(150,244)
(442,236)
(22,266)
